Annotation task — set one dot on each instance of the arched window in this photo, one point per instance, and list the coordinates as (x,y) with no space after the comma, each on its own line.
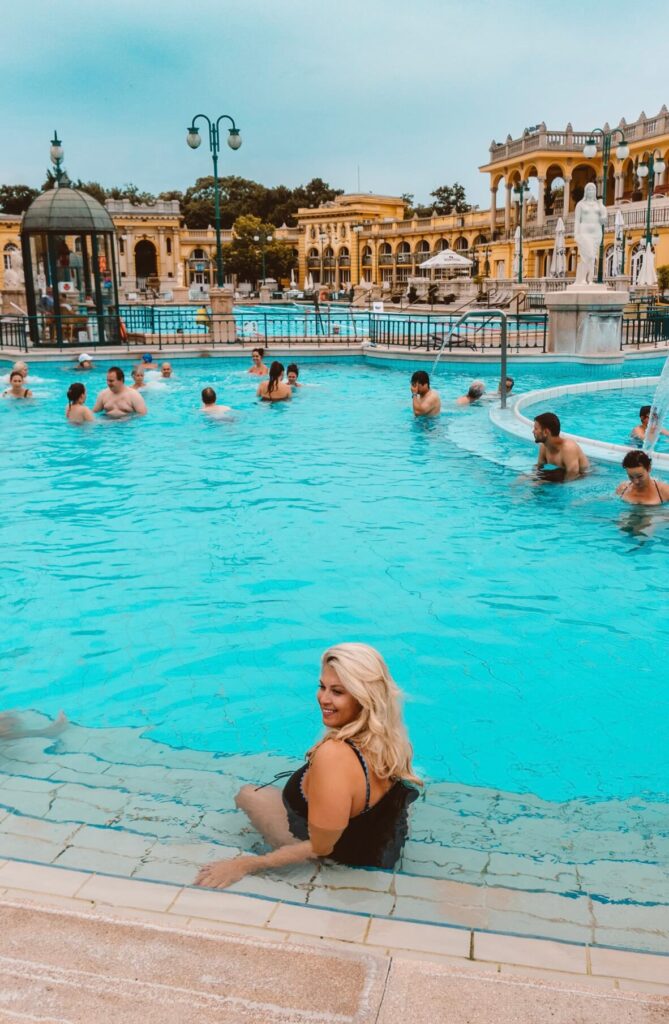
(7,255)
(328,252)
(403,248)
(343,251)
(461,244)
(367,255)
(442,243)
(198,254)
(637,256)
(385,249)
(313,254)
(422,247)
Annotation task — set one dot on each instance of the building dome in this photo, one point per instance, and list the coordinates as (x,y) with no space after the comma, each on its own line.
(66,211)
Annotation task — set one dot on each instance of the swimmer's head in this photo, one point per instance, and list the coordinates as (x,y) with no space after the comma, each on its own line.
(637,464)
(257,355)
(20,367)
(76,392)
(509,384)
(84,359)
(208,396)
(275,375)
(166,370)
(115,378)
(138,374)
(371,714)
(147,358)
(292,372)
(546,425)
(644,414)
(16,377)
(420,380)
(476,390)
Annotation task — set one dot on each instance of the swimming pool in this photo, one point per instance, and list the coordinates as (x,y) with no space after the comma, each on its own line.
(180,577)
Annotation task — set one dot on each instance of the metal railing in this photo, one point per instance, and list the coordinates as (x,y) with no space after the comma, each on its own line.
(488,316)
(478,332)
(650,328)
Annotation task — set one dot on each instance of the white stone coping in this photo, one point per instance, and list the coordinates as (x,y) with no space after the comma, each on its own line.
(180,906)
(512,421)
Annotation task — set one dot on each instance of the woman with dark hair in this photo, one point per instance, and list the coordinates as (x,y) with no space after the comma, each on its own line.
(258,368)
(274,389)
(642,488)
(77,411)
(17,388)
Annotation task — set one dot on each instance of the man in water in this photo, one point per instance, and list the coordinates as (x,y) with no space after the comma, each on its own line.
(425,401)
(561,452)
(209,403)
(147,360)
(117,400)
(509,386)
(84,362)
(166,371)
(642,488)
(293,373)
(474,394)
(639,432)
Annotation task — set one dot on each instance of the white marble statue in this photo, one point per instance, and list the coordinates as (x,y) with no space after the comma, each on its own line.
(41,279)
(589,220)
(14,279)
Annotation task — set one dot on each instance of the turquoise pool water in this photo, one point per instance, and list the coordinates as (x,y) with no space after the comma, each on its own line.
(183,576)
(603,415)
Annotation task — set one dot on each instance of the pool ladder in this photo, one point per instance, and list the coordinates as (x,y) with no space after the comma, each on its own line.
(490,315)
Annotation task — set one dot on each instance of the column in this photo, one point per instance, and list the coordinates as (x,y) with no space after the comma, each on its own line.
(618,189)
(541,202)
(507,209)
(493,210)
(565,200)
(162,258)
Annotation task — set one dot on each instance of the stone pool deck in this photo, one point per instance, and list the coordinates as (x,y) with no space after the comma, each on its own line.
(110,802)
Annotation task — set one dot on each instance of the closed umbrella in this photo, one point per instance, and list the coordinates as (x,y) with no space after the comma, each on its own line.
(310,283)
(558,266)
(647,277)
(516,253)
(619,245)
(293,283)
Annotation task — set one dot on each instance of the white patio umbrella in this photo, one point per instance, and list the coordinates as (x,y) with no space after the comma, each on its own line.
(558,266)
(647,276)
(447,259)
(516,253)
(618,244)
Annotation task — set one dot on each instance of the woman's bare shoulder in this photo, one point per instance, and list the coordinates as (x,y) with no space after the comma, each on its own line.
(332,752)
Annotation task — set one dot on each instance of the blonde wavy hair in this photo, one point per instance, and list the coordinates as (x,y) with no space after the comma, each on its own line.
(378,730)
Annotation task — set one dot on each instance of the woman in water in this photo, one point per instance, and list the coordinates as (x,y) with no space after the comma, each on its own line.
(17,388)
(77,411)
(642,488)
(349,802)
(258,368)
(274,389)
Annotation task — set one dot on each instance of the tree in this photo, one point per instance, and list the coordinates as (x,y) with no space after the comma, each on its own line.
(16,198)
(663,278)
(450,199)
(243,256)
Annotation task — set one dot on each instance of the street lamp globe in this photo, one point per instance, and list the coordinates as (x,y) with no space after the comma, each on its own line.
(660,165)
(642,170)
(590,148)
(193,138)
(234,138)
(56,150)
(622,151)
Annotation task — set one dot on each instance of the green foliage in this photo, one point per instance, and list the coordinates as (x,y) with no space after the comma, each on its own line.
(663,278)
(450,199)
(243,256)
(240,197)
(16,198)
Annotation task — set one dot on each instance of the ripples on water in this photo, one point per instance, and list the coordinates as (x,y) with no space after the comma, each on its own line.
(184,575)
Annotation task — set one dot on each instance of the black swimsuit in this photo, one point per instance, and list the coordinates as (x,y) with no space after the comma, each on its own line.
(373,838)
(657,488)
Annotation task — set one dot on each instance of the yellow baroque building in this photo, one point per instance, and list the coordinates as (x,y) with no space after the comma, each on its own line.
(367,238)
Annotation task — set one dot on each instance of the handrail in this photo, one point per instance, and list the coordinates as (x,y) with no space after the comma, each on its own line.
(492,314)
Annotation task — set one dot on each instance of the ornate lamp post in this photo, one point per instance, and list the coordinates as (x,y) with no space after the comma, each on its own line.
(264,240)
(323,238)
(655,165)
(234,142)
(56,154)
(519,191)
(590,151)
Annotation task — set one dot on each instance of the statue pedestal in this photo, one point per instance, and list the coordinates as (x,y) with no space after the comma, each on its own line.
(14,302)
(585,319)
(223,326)
(265,294)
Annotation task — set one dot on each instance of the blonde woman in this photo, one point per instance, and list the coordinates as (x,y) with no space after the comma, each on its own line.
(349,801)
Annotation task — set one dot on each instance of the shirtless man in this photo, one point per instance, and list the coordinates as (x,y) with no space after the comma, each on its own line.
(209,403)
(476,391)
(258,369)
(426,402)
(117,400)
(641,488)
(639,432)
(565,455)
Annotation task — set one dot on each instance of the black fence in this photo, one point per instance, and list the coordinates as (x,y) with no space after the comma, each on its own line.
(650,328)
(524,331)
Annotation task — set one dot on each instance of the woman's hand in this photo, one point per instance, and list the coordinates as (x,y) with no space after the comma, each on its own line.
(222,873)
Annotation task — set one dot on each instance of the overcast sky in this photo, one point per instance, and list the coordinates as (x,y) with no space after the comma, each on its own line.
(400,95)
